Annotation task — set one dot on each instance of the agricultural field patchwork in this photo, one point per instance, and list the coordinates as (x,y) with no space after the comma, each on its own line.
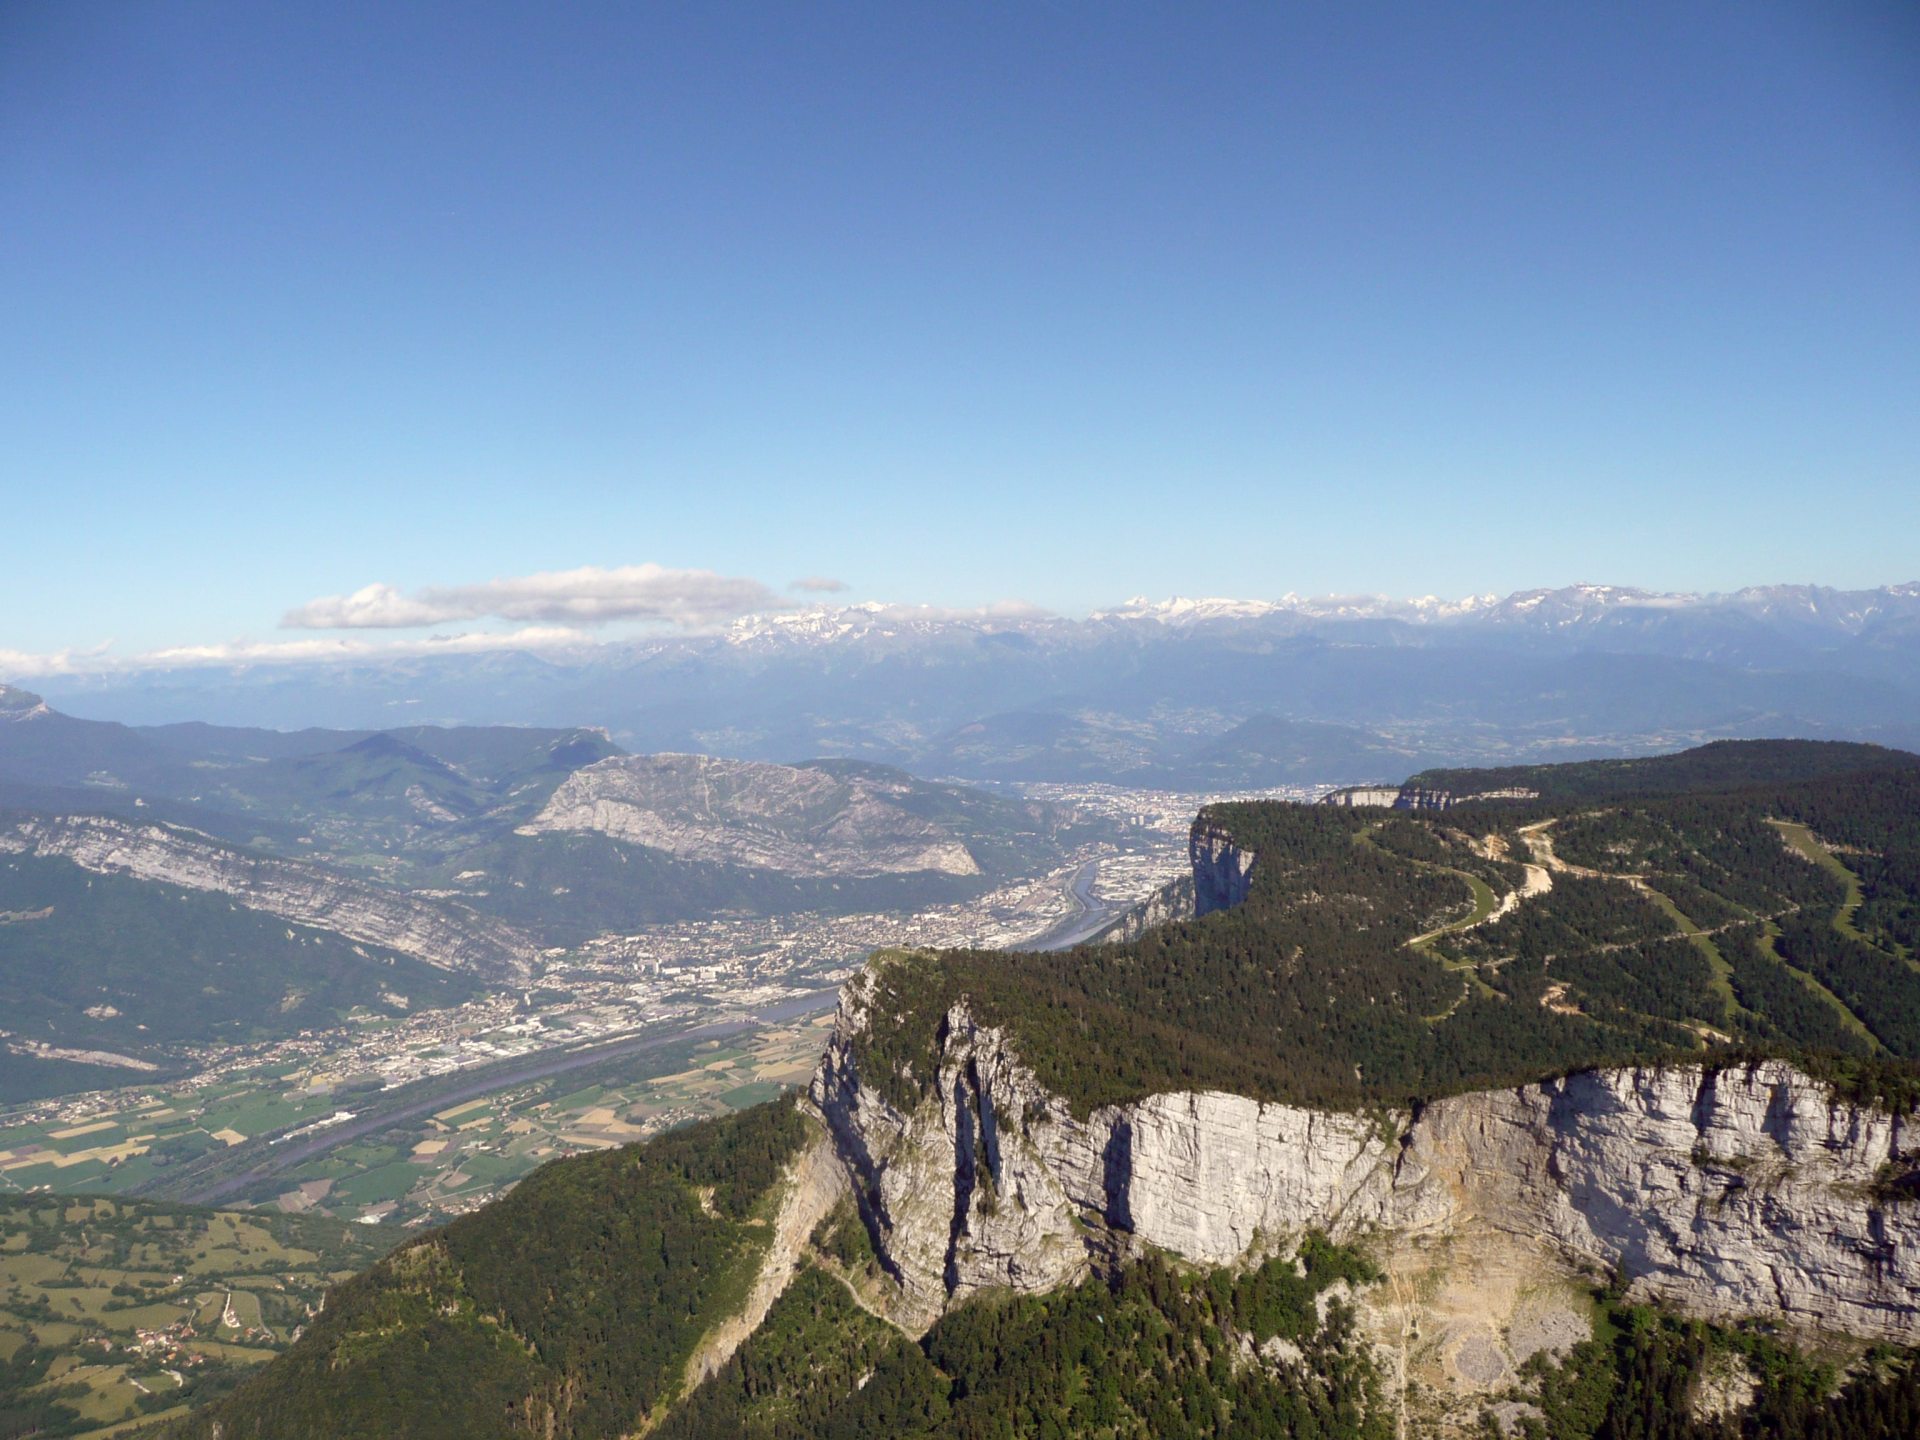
(116,1313)
(421,1170)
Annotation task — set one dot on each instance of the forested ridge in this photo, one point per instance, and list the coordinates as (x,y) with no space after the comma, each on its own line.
(1154,1349)
(1719,765)
(1379,957)
(1394,956)
(568,1307)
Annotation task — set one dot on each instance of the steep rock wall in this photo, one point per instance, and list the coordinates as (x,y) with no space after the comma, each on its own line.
(1747,1191)
(1221,869)
(1172,901)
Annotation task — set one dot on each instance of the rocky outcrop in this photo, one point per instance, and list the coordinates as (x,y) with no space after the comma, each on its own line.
(811,1187)
(449,936)
(1172,901)
(1222,870)
(1732,1192)
(795,819)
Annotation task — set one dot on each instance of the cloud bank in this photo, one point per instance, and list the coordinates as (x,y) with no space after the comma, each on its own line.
(589,595)
(817,585)
(99,659)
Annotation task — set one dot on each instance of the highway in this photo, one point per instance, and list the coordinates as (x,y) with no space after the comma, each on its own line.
(267,1159)
(263,1158)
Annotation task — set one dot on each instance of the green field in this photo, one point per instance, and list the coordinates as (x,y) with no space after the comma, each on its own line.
(423,1170)
(115,1311)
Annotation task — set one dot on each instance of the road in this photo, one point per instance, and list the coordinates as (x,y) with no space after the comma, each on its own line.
(270,1159)
(265,1159)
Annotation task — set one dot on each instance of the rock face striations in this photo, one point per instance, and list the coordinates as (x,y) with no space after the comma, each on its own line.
(1725,1193)
(450,936)
(1222,870)
(795,819)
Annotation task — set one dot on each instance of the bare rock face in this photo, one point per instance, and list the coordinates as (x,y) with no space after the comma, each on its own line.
(1742,1191)
(793,819)
(1172,901)
(1222,871)
(449,936)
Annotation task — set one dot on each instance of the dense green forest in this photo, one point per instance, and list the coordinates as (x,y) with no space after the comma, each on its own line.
(1644,1374)
(1154,1350)
(568,1307)
(1162,1352)
(1721,765)
(1372,962)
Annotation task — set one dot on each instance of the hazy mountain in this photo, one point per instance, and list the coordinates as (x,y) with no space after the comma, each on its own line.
(1139,689)
(194,883)
(106,971)
(799,821)
(1269,750)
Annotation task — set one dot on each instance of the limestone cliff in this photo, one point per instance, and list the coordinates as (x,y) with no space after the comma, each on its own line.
(450,936)
(798,820)
(1222,870)
(1172,901)
(1724,1193)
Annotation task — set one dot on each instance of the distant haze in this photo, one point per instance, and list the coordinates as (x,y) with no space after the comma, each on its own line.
(1188,694)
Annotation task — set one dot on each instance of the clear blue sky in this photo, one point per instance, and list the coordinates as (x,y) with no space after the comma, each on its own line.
(953,303)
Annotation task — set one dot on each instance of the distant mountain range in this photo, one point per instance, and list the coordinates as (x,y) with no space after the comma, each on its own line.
(192,883)
(1181,693)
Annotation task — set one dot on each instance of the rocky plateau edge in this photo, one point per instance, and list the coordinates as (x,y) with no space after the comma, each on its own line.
(449,936)
(1749,1191)
(793,819)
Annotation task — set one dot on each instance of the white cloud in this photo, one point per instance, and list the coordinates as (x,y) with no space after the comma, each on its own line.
(58,662)
(589,595)
(371,606)
(22,664)
(817,585)
(689,599)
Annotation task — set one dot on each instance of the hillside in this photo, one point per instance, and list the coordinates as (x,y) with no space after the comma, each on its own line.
(424,806)
(1722,765)
(1388,956)
(570,1307)
(105,974)
(822,819)
(1435,1122)
(112,1310)
(194,884)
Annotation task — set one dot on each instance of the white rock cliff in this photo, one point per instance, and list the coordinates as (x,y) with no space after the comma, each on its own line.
(1741,1191)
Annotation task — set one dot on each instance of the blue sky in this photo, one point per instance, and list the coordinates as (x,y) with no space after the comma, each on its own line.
(954,304)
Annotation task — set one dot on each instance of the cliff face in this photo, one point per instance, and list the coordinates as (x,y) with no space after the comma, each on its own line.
(1726,1193)
(1172,901)
(449,936)
(794,819)
(1221,868)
